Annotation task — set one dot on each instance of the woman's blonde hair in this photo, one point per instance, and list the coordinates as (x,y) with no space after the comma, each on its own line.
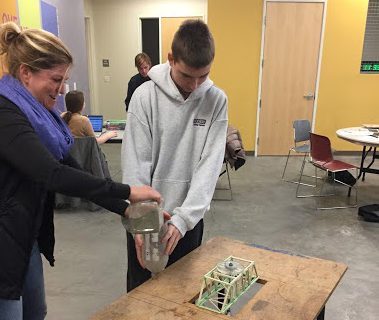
(36,48)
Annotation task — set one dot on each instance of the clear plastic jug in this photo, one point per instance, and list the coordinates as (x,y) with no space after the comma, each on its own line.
(154,257)
(143,217)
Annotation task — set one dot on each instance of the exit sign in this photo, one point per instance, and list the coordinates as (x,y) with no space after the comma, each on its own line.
(370,67)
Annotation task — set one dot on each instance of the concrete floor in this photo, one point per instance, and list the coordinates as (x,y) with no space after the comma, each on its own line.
(91,250)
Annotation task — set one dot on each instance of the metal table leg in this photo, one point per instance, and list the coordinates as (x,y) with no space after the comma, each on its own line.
(364,155)
(372,161)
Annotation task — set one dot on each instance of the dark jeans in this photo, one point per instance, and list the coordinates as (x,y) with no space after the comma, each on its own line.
(137,275)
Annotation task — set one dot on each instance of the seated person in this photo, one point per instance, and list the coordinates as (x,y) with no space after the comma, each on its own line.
(79,125)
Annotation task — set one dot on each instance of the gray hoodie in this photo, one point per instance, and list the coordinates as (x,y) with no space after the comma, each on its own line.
(177,146)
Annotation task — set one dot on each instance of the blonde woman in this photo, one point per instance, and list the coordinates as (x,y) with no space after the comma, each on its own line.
(35,163)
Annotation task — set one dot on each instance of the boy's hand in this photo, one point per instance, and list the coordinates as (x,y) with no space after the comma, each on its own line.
(138,240)
(166,216)
(171,238)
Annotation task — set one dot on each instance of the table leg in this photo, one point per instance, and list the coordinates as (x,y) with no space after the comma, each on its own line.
(372,161)
(321,315)
(363,157)
(361,169)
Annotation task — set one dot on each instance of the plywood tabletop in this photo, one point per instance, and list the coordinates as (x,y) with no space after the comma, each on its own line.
(295,287)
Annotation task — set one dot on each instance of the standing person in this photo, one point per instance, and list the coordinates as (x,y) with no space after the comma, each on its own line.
(175,142)
(34,163)
(143,64)
(80,125)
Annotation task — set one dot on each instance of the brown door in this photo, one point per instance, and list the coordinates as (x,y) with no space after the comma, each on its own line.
(289,73)
(168,29)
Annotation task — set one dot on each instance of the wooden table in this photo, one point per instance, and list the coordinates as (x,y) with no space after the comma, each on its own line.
(368,140)
(296,287)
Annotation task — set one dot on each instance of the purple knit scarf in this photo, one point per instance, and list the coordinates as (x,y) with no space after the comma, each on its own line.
(50,128)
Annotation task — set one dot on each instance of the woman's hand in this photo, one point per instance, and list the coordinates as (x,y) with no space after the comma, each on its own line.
(110,134)
(142,193)
(106,136)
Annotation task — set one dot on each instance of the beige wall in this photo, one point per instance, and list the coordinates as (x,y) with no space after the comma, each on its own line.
(346,97)
(116,31)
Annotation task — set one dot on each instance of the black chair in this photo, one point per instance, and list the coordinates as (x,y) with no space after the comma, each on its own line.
(229,187)
(88,154)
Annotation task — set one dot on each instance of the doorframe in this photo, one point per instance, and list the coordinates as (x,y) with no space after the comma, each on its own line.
(140,18)
(160,17)
(325,2)
(92,85)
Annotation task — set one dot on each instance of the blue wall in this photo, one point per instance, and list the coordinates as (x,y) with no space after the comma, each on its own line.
(70,15)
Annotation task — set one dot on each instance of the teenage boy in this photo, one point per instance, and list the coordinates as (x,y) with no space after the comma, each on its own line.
(175,142)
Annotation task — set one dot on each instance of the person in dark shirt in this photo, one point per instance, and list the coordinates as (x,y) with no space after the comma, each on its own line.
(143,65)
(35,163)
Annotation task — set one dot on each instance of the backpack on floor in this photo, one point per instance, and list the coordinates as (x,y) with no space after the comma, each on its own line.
(369,213)
(344,176)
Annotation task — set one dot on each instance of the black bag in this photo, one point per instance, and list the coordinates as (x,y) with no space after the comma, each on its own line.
(344,176)
(369,213)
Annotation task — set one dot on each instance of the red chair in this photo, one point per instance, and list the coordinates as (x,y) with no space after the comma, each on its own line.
(322,158)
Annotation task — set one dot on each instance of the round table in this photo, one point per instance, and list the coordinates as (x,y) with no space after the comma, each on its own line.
(369,139)
(359,135)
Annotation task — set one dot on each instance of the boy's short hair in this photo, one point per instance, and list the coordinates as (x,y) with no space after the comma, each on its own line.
(193,44)
(74,101)
(141,58)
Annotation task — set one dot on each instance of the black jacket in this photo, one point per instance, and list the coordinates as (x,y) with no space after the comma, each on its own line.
(29,176)
(133,84)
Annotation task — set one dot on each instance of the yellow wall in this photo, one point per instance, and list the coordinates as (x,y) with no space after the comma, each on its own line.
(29,12)
(8,12)
(346,97)
(236,27)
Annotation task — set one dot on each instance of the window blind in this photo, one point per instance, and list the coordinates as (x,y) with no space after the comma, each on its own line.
(370,55)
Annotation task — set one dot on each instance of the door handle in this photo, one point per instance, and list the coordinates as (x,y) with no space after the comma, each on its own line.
(309,96)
